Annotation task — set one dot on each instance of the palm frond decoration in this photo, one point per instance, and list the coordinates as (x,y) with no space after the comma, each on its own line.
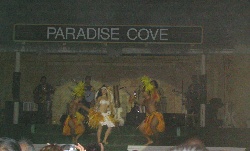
(79,90)
(147,83)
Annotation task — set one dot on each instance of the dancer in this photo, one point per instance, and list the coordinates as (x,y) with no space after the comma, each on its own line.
(154,121)
(73,125)
(102,113)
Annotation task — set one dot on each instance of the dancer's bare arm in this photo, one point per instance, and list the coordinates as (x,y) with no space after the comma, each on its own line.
(84,107)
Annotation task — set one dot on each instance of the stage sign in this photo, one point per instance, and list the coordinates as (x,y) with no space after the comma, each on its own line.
(108,34)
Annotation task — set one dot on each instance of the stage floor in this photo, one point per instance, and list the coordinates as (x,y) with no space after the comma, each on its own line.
(126,136)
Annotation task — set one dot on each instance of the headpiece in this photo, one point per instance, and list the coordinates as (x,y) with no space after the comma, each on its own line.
(78,90)
(147,84)
(103,88)
(150,88)
(109,93)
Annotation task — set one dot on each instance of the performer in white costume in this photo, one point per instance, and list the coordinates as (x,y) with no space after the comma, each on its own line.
(103,113)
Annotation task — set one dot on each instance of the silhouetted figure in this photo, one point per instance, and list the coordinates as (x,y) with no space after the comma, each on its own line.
(211,112)
(193,96)
(42,96)
(9,144)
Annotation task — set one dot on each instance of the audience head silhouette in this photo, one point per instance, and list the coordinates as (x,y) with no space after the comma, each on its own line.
(9,144)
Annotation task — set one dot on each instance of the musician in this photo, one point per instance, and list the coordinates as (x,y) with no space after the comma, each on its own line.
(89,96)
(88,100)
(193,96)
(42,96)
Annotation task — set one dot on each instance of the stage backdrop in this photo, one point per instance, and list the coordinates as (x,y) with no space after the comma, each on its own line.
(226,77)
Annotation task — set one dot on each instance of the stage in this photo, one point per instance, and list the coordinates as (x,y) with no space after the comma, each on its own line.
(127,137)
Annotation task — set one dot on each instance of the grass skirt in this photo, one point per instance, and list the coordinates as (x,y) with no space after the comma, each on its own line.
(78,122)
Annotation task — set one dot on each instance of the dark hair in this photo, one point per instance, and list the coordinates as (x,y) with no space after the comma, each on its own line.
(93,147)
(52,147)
(43,77)
(28,144)
(9,144)
(100,91)
(155,83)
(88,77)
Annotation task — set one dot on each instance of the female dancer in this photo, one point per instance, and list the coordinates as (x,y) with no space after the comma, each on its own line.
(102,113)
